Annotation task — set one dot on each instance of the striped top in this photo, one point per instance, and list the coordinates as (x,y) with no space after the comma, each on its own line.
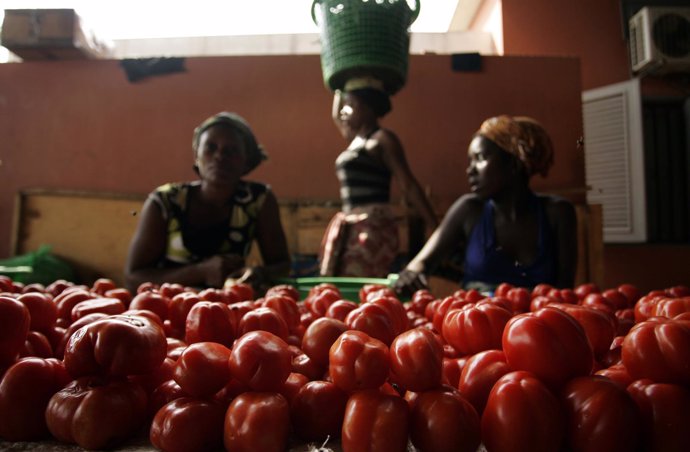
(364,178)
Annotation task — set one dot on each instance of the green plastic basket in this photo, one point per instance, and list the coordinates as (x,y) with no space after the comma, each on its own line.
(348,286)
(364,37)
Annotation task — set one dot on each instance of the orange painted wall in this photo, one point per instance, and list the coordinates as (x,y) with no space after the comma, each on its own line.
(81,125)
(588,29)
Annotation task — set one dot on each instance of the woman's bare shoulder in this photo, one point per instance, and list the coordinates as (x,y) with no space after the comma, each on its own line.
(558,209)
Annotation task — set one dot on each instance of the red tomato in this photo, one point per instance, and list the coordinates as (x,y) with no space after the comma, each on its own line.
(263,319)
(550,344)
(599,326)
(165,393)
(600,416)
(503,289)
(317,410)
(318,338)
(152,301)
(618,374)
(36,344)
(14,327)
(261,360)
(187,424)
(122,294)
(475,328)
(102,285)
(242,291)
(42,310)
(632,293)
(287,309)
(116,345)
(479,374)
(394,307)
(678,291)
(646,307)
(665,415)
(59,351)
(210,322)
(151,380)
(416,360)
(625,319)
(246,421)
(340,309)
(358,361)
(541,289)
(293,384)
(202,369)
(452,368)
(322,300)
(613,355)
(179,308)
(110,306)
(68,299)
(658,349)
(283,290)
(520,299)
(96,413)
(521,414)
(25,391)
(420,299)
(598,301)
(666,307)
(443,421)
(442,308)
(375,422)
(540,301)
(374,320)
(303,364)
(585,289)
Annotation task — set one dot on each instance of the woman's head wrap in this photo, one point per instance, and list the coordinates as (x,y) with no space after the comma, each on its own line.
(523,137)
(370,91)
(255,153)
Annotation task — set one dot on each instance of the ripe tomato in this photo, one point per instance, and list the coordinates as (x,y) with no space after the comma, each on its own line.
(373,320)
(318,338)
(520,299)
(668,307)
(261,360)
(264,319)
(303,364)
(102,285)
(442,308)
(25,391)
(36,344)
(122,294)
(340,309)
(14,327)
(110,306)
(317,410)
(665,415)
(247,418)
(452,368)
(210,322)
(375,422)
(443,421)
(550,344)
(116,345)
(358,361)
(187,424)
(475,328)
(479,374)
(521,414)
(179,308)
(287,309)
(599,326)
(202,369)
(416,360)
(616,373)
(658,349)
(600,416)
(154,302)
(96,413)
(42,310)
(283,290)
(321,301)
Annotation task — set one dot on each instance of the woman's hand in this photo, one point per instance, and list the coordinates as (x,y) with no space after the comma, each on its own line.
(257,277)
(410,281)
(218,268)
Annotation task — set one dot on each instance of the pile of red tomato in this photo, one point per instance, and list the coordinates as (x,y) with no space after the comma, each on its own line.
(542,370)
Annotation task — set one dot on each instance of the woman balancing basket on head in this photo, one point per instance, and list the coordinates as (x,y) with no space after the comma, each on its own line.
(364,59)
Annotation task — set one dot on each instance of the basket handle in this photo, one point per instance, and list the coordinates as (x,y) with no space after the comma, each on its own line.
(313,12)
(415,11)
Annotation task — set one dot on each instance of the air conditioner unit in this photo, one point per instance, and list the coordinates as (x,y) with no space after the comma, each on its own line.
(660,40)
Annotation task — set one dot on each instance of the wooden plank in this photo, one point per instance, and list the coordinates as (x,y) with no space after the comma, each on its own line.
(90,231)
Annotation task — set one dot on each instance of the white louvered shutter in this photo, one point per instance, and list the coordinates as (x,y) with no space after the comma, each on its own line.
(614,159)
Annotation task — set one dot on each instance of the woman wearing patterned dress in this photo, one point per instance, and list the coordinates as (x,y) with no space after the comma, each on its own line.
(362,239)
(199,233)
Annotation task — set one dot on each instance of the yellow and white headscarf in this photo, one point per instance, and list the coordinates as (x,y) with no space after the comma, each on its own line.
(523,137)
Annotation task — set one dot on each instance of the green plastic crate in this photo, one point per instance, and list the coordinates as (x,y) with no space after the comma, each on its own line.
(348,286)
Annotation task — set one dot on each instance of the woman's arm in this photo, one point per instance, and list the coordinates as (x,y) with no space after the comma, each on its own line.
(445,239)
(393,156)
(148,248)
(272,244)
(564,221)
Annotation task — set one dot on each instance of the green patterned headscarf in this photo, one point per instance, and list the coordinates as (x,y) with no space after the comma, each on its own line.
(255,153)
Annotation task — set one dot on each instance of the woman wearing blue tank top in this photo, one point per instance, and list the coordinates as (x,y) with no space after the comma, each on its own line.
(362,239)
(508,232)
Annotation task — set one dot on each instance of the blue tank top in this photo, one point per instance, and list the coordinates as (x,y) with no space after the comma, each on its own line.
(486,263)
(364,179)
